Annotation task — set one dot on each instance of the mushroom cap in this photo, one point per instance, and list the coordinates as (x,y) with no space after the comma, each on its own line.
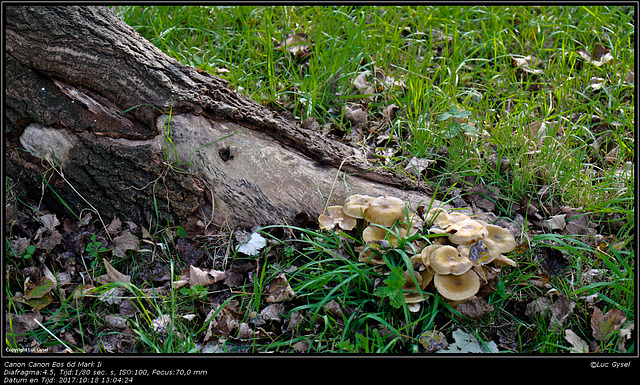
(466,231)
(355,205)
(498,240)
(408,279)
(457,287)
(412,297)
(371,255)
(436,213)
(437,230)
(376,233)
(385,210)
(443,219)
(501,260)
(336,217)
(464,249)
(446,260)
(427,277)
(425,254)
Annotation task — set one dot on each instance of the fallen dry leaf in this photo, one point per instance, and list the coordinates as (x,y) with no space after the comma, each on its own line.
(250,244)
(115,321)
(597,83)
(468,343)
(297,44)
(38,290)
(625,334)
(538,307)
(433,340)
(362,84)
(188,251)
(115,226)
(560,310)
(49,221)
(123,242)
(112,275)
(475,308)
(112,296)
(37,303)
(47,237)
(20,245)
(205,277)
(556,222)
(576,221)
(578,344)
(526,64)
(604,326)
(279,290)
(417,166)
(81,290)
(21,324)
(598,57)
(355,114)
(484,197)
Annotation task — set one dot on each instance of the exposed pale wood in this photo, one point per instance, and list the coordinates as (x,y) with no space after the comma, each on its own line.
(84,91)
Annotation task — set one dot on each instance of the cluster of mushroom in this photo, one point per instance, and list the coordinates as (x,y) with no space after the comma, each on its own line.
(454,262)
(380,214)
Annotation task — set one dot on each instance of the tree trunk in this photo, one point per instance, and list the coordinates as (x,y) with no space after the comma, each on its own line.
(102,117)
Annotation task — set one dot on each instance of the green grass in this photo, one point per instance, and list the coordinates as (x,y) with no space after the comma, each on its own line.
(456,88)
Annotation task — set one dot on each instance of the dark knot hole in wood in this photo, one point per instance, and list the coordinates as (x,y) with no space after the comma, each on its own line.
(227,153)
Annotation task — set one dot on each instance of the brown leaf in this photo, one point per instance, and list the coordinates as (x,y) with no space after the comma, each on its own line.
(553,260)
(560,310)
(332,307)
(417,166)
(389,112)
(112,275)
(81,290)
(279,290)
(49,221)
(38,290)
(38,303)
(526,64)
(598,57)
(433,340)
(362,84)
(21,324)
(188,251)
(115,321)
(484,197)
(19,245)
(604,326)
(538,307)
(579,345)
(297,44)
(625,334)
(274,312)
(115,226)
(355,114)
(204,277)
(122,243)
(475,308)
(576,222)
(48,242)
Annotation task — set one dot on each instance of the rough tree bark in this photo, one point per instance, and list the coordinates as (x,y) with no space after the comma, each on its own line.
(133,133)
